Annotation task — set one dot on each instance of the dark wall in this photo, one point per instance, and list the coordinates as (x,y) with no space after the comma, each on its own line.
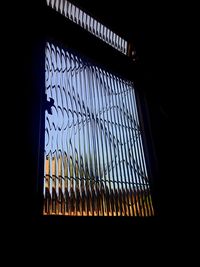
(144,25)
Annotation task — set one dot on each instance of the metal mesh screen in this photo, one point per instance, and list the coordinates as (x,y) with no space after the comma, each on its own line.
(94,158)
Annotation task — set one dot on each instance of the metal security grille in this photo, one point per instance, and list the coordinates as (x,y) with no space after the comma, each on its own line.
(94,158)
(90,24)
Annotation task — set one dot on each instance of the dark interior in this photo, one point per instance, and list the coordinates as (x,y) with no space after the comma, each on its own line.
(146,26)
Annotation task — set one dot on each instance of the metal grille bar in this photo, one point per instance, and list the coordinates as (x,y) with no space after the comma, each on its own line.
(94,158)
(90,24)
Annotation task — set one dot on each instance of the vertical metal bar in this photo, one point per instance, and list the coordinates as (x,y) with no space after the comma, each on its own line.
(102,32)
(119,147)
(109,190)
(73,13)
(110,160)
(105,34)
(114,176)
(148,197)
(56,5)
(126,147)
(91,24)
(147,192)
(121,194)
(55,122)
(119,43)
(47,1)
(123,46)
(61,169)
(100,29)
(95,27)
(87,22)
(76,15)
(56,126)
(88,173)
(93,159)
(85,133)
(98,123)
(66,132)
(111,79)
(129,148)
(79,16)
(60,195)
(54,195)
(47,196)
(108,36)
(53,131)
(83,142)
(71,140)
(126,210)
(134,149)
(89,162)
(112,39)
(47,122)
(75,144)
(116,141)
(101,163)
(131,175)
(77,139)
(62,127)
(95,142)
(59,100)
(51,182)
(84,20)
(61,5)
(142,167)
(65,8)
(56,101)
(70,11)
(66,183)
(84,111)
(76,178)
(75,89)
(48,71)
(138,175)
(137,164)
(124,156)
(50,141)
(52,3)
(103,120)
(102,147)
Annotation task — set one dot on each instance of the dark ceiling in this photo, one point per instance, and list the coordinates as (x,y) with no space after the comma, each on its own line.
(144,23)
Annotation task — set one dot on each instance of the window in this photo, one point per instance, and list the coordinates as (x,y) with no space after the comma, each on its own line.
(94,163)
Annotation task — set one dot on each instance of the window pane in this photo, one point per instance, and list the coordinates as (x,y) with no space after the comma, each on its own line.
(94,158)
